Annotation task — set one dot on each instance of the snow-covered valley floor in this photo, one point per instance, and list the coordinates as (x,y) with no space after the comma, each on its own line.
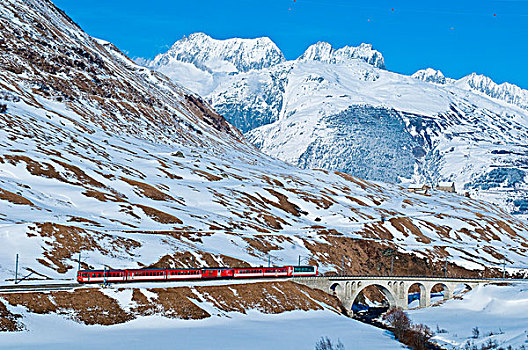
(499,312)
(290,330)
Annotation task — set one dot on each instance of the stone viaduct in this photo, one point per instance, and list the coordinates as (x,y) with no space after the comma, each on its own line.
(395,289)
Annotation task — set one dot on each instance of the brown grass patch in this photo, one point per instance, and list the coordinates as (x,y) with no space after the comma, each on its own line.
(376,230)
(323,202)
(284,203)
(172,303)
(103,197)
(261,244)
(367,257)
(207,175)
(88,306)
(80,175)
(9,322)
(272,182)
(188,260)
(14,198)
(266,297)
(273,221)
(148,190)
(159,216)
(69,241)
(74,175)
(88,221)
(358,201)
(405,225)
(35,168)
(361,183)
(171,175)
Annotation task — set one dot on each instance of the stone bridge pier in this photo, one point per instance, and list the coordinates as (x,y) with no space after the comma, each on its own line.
(395,289)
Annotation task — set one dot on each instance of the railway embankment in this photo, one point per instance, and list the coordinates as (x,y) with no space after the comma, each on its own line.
(117,305)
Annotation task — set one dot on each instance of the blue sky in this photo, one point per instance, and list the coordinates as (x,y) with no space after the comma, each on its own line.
(457,37)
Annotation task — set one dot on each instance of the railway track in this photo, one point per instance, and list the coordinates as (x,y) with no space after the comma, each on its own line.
(17,288)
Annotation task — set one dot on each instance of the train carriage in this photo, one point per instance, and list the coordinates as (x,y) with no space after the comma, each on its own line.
(304,271)
(101,276)
(284,271)
(184,274)
(146,275)
(217,273)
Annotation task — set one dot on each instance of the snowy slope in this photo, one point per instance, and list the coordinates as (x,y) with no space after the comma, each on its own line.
(338,109)
(102,157)
(234,331)
(499,313)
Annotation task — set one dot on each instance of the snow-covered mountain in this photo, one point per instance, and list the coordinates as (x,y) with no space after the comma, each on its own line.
(505,91)
(340,110)
(324,52)
(198,59)
(432,76)
(102,157)
(478,83)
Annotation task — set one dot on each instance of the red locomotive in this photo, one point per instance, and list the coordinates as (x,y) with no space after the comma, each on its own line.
(113,276)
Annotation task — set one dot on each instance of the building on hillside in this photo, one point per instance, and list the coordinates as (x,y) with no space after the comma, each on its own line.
(418,188)
(446,186)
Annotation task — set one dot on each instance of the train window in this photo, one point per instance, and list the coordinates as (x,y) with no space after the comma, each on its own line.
(303,269)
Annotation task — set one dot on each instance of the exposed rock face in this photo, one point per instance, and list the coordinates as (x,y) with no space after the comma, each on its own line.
(430,75)
(324,52)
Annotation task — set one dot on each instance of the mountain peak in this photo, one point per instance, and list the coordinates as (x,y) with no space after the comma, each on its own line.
(507,92)
(431,75)
(230,55)
(324,52)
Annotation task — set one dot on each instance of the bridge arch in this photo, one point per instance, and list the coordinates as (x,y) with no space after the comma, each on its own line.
(424,293)
(336,288)
(387,293)
(460,288)
(446,290)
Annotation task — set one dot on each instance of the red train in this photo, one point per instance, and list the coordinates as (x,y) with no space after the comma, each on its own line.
(114,276)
